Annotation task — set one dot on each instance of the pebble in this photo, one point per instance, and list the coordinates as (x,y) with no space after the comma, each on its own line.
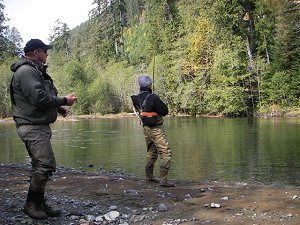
(188,196)
(99,219)
(131,192)
(162,207)
(113,207)
(112,216)
(89,218)
(88,212)
(215,205)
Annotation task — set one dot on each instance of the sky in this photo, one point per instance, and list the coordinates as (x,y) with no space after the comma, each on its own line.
(36,18)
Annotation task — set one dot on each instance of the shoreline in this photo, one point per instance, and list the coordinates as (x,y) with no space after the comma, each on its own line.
(291,115)
(85,196)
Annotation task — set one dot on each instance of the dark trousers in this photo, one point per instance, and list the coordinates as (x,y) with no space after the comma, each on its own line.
(37,141)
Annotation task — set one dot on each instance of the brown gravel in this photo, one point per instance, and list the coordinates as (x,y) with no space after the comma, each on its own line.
(189,202)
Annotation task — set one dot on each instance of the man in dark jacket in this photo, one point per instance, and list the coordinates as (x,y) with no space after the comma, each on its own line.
(153,110)
(35,105)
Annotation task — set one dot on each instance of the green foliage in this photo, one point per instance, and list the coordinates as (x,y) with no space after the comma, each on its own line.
(137,45)
(190,98)
(76,76)
(225,100)
(227,94)
(110,92)
(286,49)
(60,39)
(5,78)
(264,18)
(200,52)
(226,15)
(162,16)
(230,57)
(189,11)
(9,38)
(103,98)
(284,88)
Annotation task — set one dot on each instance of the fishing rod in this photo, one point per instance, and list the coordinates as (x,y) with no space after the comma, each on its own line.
(153,70)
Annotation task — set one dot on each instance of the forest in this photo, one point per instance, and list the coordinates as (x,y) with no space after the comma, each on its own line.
(234,58)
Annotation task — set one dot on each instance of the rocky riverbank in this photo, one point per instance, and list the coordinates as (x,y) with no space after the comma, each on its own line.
(117,198)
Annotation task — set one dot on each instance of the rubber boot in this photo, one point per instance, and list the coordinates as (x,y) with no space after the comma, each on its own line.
(164,179)
(32,208)
(149,174)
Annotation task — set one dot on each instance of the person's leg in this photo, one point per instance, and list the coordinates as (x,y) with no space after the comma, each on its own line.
(160,140)
(151,158)
(37,141)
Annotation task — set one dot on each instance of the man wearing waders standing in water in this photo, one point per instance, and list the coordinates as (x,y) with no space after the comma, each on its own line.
(151,110)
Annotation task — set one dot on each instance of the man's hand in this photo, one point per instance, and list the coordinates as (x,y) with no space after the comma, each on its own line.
(63,110)
(71,98)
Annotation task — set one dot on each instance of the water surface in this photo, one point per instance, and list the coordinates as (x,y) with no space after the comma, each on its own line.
(264,150)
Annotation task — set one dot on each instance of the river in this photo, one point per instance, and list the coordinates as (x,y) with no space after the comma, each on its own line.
(238,149)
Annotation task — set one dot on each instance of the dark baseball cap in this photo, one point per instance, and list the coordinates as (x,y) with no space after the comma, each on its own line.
(34,44)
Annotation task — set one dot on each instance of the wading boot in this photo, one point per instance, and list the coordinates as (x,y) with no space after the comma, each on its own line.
(31,208)
(149,174)
(164,179)
(50,211)
(34,212)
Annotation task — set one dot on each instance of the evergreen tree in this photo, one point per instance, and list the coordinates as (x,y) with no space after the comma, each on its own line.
(3,31)
(9,48)
(60,39)
(229,57)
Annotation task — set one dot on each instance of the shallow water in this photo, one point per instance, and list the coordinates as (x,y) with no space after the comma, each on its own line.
(263,150)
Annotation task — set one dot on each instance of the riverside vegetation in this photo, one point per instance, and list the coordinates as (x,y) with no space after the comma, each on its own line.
(222,57)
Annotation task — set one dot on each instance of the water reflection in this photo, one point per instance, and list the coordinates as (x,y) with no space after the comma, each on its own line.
(265,150)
